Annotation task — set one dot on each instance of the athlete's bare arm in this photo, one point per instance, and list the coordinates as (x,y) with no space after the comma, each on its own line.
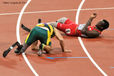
(61,40)
(89,23)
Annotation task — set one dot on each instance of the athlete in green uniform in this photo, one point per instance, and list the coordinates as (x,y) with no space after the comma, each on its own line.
(42,32)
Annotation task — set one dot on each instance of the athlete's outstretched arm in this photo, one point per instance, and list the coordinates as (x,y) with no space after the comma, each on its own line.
(61,40)
(89,22)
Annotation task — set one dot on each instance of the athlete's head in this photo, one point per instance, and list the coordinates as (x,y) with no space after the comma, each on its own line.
(102,25)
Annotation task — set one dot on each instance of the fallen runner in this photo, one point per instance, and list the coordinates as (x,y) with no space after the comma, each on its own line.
(84,30)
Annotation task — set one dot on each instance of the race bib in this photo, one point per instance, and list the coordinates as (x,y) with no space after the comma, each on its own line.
(68,31)
(81,26)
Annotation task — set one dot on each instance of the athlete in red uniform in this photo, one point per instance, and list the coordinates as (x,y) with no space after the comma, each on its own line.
(85,30)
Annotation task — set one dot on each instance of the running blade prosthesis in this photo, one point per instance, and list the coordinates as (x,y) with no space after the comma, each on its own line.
(5,53)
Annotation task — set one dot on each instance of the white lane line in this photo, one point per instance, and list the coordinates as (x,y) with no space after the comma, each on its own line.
(82,44)
(18,37)
(51,11)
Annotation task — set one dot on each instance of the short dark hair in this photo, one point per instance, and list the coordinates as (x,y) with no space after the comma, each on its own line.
(106,24)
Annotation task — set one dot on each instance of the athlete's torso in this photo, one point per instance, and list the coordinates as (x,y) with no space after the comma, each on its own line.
(71,29)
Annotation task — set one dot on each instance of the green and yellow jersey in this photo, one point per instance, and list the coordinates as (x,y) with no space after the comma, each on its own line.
(43,32)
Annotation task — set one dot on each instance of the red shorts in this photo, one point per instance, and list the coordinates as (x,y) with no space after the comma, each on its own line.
(69,28)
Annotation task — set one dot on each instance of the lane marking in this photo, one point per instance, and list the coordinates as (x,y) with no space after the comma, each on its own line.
(65,57)
(18,38)
(82,44)
(50,11)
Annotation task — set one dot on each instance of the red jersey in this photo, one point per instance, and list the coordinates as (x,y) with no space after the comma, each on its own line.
(69,28)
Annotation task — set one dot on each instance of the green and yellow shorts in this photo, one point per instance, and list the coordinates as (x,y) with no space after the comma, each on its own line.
(39,33)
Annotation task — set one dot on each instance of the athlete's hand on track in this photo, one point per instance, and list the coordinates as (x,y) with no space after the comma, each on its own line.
(68,51)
